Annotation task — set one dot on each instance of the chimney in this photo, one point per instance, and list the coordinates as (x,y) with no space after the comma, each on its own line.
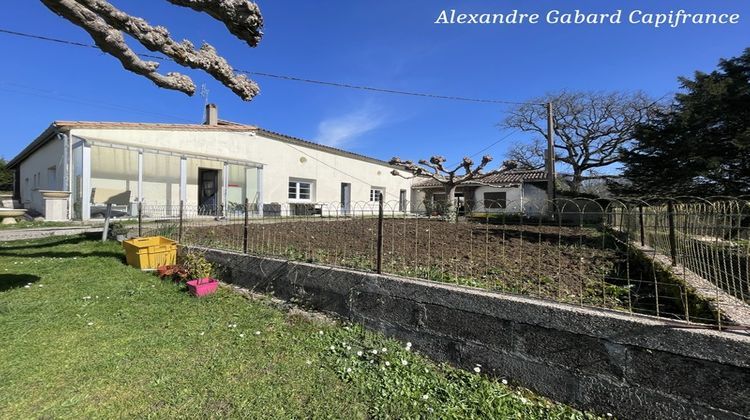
(212,115)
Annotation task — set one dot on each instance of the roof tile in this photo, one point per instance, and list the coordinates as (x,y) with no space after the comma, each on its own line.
(509,177)
(153,126)
(222,125)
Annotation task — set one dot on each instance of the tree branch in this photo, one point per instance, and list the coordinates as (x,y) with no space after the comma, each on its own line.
(183,53)
(445,177)
(113,42)
(241,17)
(106,24)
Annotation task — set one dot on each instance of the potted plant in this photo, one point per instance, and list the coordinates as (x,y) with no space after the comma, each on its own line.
(201,271)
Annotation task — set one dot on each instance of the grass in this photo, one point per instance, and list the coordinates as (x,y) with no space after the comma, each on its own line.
(86,336)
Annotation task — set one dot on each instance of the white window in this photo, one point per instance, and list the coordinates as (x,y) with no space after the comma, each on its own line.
(376,193)
(300,190)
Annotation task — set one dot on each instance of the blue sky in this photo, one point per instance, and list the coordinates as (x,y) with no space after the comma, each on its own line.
(391,44)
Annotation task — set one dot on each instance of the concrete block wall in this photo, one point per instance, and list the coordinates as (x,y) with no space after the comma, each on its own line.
(604,361)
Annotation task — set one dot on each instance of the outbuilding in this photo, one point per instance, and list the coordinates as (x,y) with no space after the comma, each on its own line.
(511,192)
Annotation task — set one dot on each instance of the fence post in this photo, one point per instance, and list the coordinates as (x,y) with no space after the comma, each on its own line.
(640,222)
(380,235)
(179,230)
(672,237)
(244,231)
(140,218)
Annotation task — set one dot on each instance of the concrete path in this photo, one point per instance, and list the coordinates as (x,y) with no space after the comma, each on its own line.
(730,307)
(35,233)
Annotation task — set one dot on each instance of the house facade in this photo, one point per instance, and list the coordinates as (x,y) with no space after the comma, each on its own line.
(212,167)
(516,191)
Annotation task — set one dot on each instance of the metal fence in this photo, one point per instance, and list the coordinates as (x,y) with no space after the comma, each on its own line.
(706,241)
(684,259)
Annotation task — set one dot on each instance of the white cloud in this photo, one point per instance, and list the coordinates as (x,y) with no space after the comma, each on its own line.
(342,130)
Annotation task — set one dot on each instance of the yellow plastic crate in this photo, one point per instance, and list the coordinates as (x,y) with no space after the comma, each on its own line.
(150,252)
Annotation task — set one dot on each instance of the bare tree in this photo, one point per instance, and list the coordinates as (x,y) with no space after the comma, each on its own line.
(593,184)
(590,128)
(108,25)
(449,178)
(528,155)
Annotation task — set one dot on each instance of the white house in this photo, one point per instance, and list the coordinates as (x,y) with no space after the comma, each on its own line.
(516,191)
(210,167)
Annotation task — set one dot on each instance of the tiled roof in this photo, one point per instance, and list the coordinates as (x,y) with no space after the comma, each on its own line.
(509,177)
(221,126)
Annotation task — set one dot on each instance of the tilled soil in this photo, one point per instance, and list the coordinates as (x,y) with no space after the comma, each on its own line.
(558,262)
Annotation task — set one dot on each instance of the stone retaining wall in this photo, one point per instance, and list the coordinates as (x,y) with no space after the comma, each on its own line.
(604,361)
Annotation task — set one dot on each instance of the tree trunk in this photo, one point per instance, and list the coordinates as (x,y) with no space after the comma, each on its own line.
(577,182)
(450,205)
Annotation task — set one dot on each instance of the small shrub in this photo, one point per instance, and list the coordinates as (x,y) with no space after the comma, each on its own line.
(197,266)
(116,229)
(176,273)
(168,230)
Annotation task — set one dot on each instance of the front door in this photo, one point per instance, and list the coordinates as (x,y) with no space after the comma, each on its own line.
(460,204)
(346,198)
(208,187)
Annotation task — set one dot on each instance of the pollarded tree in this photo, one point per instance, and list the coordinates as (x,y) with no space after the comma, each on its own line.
(108,25)
(590,129)
(450,179)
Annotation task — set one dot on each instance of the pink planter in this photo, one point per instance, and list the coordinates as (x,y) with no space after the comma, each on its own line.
(202,287)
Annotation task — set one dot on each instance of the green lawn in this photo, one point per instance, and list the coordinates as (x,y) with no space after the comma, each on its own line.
(83,335)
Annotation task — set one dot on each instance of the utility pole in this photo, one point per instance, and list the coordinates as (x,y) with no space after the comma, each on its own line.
(550,160)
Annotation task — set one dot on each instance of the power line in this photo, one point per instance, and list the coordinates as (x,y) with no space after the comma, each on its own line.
(336,169)
(66,42)
(384,90)
(46,94)
(514,131)
(496,142)
(295,78)
(302,80)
